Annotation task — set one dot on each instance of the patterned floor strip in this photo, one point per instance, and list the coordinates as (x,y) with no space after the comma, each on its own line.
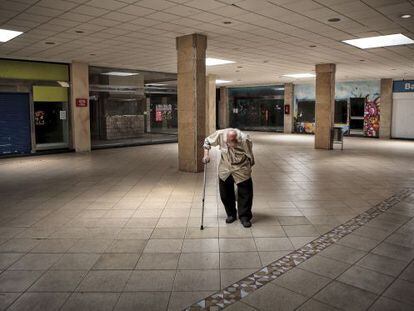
(253,282)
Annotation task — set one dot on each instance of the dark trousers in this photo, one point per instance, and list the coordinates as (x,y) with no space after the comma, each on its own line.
(244,197)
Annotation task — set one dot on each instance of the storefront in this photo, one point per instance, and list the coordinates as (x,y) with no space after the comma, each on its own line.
(357,107)
(257,108)
(403,110)
(132,107)
(34,100)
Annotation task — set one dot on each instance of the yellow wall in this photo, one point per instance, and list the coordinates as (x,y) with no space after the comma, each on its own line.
(11,69)
(50,94)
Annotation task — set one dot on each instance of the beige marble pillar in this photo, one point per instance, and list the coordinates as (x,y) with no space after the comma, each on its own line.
(325,105)
(211,123)
(80,120)
(385,109)
(191,69)
(288,119)
(223,114)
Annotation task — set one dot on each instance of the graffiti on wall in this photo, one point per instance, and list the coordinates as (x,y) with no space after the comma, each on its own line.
(372,116)
(370,90)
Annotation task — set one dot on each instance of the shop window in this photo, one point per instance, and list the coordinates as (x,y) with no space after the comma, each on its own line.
(257,108)
(306,111)
(129,107)
(341,112)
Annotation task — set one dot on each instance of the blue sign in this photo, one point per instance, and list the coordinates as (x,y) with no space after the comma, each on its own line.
(403,86)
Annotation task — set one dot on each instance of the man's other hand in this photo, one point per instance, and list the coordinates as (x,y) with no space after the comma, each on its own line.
(206,159)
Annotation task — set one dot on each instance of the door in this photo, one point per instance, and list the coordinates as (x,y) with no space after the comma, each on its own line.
(403,115)
(14,123)
(50,125)
(356,118)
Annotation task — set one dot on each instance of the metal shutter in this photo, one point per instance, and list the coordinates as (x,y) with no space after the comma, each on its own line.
(14,123)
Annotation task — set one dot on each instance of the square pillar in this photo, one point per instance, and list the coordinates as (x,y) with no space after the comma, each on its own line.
(191,94)
(385,109)
(325,105)
(80,119)
(223,114)
(211,104)
(288,118)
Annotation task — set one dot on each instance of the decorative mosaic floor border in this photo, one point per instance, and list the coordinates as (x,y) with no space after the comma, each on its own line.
(253,282)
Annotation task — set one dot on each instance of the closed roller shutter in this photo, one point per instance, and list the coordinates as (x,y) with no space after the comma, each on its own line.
(14,123)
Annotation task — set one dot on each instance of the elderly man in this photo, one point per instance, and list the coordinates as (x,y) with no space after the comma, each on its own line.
(235,168)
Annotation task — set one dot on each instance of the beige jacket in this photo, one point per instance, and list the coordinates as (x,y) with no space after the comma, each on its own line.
(237,161)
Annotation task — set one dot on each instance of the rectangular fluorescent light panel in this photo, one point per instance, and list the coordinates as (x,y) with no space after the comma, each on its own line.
(215,61)
(380,41)
(120,73)
(300,75)
(7,35)
(222,81)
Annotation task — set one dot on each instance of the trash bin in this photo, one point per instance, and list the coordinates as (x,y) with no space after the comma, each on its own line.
(338,136)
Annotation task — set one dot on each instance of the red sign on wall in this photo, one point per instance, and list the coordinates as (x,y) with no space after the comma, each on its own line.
(81,102)
(287,109)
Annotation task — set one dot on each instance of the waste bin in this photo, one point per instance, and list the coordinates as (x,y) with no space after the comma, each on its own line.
(337,136)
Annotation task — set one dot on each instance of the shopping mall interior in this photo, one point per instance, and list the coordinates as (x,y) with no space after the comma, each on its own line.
(109,202)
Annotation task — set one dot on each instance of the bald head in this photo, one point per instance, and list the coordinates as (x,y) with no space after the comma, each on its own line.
(232,138)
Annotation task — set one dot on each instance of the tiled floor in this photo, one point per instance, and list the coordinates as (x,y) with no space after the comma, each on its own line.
(118,229)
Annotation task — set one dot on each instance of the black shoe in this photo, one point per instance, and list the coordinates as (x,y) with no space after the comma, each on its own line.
(246,223)
(230,219)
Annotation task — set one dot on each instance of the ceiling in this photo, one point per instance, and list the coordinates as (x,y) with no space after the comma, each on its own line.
(266,39)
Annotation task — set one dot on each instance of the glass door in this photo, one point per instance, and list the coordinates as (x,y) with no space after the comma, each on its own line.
(356,117)
(51,125)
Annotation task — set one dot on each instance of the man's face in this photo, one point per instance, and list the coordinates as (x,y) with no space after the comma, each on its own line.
(232,139)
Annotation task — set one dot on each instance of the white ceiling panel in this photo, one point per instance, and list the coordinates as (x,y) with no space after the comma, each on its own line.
(267,38)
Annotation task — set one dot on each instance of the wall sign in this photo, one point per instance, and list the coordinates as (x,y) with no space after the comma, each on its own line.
(287,109)
(81,102)
(403,86)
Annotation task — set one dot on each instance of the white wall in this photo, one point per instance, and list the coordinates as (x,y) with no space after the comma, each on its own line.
(403,115)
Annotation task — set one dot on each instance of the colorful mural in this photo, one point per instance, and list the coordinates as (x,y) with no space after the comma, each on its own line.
(372,117)
(370,90)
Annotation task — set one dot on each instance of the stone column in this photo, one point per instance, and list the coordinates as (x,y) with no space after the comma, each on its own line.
(325,105)
(288,119)
(223,114)
(211,123)
(385,109)
(191,63)
(80,119)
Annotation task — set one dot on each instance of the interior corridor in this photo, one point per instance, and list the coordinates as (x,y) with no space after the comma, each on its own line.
(119,229)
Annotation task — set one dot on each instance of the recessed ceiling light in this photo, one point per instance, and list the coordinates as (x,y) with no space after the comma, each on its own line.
(79,31)
(227,22)
(300,75)
(312,46)
(216,61)
(405,16)
(362,60)
(239,67)
(218,81)
(155,84)
(380,41)
(334,20)
(92,54)
(49,42)
(120,73)
(7,35)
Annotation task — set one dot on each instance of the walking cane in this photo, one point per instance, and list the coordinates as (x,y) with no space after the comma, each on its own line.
(204,197)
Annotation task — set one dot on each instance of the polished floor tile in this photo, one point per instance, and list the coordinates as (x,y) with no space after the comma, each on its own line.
(96,225)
